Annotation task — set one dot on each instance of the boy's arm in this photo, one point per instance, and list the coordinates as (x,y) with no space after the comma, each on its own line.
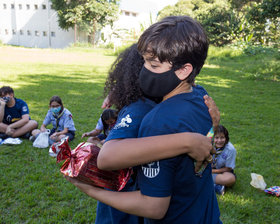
(132,152)
(2,109)
(123,153)
(24,120)
(129,202)
(221,170)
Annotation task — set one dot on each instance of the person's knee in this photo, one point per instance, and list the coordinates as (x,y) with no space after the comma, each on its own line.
(3,127)
(231,179)
(33,124)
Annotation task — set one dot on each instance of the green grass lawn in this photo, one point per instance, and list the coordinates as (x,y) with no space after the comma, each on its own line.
(246,89)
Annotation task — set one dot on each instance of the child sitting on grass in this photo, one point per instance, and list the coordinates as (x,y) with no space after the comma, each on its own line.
(105,123)
(224,161)
(61,119)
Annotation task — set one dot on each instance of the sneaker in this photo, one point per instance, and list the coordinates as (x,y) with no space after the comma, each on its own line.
(32,138)
(219,189)
(26,135)
(3,136)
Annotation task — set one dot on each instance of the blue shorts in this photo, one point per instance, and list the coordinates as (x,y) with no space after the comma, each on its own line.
(101,136)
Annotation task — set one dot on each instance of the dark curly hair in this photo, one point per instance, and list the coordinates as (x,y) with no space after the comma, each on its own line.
(122,84)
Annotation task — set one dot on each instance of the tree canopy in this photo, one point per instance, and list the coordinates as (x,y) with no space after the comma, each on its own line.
(88,15)
(231,21)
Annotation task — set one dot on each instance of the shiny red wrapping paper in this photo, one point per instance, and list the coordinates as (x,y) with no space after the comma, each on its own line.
(81,163)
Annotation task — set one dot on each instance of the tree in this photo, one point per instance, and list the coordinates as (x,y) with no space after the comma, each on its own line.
(182,7)
(219,21)
(88,15)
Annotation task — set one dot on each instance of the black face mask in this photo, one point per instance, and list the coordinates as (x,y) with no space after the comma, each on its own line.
(6,99)
(158,84)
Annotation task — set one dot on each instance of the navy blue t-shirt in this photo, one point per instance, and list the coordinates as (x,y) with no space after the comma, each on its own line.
(13,114)
(193,199)
(127,126)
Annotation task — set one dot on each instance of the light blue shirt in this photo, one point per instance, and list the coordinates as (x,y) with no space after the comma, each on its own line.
(65,121)
(227,157)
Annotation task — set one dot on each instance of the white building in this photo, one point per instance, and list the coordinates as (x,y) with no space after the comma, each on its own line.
(33,23)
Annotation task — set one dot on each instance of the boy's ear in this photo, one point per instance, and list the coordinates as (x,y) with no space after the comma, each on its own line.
(184,72)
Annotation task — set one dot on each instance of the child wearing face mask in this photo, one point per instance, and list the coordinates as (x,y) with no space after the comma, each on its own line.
(60,118)
(224,161)
(105,123)
(14,115)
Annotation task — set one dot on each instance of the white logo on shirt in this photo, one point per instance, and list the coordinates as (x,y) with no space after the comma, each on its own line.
(9,118)
(151,170)
(24,108)
(124,122)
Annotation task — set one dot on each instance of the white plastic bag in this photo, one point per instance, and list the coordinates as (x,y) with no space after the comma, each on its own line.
(42,141)
(12,141)
(258,181)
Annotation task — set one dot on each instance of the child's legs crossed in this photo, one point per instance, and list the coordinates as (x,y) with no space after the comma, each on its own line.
(28,127)
(94,140)
(70,134)
(227,178)
(3,127)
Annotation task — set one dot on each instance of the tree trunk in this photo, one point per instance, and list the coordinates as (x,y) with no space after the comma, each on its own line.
(75,33)
(92,33)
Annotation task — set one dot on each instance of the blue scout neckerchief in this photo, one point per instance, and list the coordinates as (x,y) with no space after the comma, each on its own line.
(218,152)
(57,118)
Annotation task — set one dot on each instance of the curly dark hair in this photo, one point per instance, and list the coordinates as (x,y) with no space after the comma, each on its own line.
(122,84)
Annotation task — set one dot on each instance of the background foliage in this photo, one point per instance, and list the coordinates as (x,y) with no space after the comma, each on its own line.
(232,21)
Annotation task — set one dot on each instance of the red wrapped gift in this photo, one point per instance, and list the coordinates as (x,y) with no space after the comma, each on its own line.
(81,163)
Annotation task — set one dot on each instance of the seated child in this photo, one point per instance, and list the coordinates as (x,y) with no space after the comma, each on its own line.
(14,115)
(61,119)
(224,161)
(105,123)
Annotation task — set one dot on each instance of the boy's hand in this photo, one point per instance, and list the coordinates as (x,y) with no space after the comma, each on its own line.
(213,110)
(10,131)
(2,102)
(201,165)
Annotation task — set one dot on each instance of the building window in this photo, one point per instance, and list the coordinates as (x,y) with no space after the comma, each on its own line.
(35,7)
(12,6)
(21,32)
(36,33)
(52,6)
(44,33)
(44,6)
(27,6)
(6,32)
(28,32)
(53,34)
(126,13)
(134,14)
(4,6)
(14,32)
(20,6)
